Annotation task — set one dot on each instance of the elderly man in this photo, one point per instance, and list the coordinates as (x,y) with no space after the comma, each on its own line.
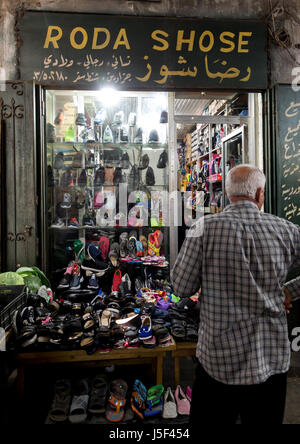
(240,258)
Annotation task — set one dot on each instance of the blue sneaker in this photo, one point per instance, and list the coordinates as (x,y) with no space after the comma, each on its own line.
(93,283)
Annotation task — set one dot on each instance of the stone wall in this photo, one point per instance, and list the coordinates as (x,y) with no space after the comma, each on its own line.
(282,61)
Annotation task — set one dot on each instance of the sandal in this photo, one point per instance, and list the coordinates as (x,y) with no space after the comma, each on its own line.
(61,402)
(98,395)
(154,395)
(138,398)
(116,402)
(78,409)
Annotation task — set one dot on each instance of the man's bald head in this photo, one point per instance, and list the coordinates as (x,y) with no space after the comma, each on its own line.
(245,182)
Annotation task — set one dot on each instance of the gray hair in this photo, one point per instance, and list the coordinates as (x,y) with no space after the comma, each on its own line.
(246,184)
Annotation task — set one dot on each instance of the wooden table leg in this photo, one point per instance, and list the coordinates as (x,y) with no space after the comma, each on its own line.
(20,381)
(177,370)
(159,370)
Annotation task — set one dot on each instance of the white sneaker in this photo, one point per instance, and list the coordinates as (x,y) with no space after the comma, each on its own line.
(58,223)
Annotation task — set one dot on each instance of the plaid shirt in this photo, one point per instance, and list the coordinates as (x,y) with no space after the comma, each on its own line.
(240,258)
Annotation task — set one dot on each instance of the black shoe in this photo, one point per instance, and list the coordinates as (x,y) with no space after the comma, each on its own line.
(65,282)
(27,316)
(139,136)
(125,164)
(163,159)
(163,117)
(99,176)
(153,137)
(144,162)
(80,120)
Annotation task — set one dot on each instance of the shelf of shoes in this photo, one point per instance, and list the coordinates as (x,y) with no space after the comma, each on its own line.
(188,149)
(195,143)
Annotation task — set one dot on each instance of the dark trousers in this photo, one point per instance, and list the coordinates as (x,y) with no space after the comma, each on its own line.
(215,403)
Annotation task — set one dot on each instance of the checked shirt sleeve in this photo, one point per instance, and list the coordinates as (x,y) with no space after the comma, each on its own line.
(293,287)
(187,272)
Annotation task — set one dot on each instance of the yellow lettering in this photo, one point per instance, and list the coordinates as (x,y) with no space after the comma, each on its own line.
(165,44)
(211,41)
(181,40)
(53,38)
(122,39)
(243,42)
(95,38)
(84,38)
(223,39)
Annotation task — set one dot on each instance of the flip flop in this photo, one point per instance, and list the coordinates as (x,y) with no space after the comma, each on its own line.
(116,402)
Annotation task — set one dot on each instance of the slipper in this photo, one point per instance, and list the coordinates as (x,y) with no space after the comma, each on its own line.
(61,402)
(155,410)
(138,398)
(132,247)
(114,254)
(155,243)
(116,402)
(78,409)
(154,395)
(123,245)
(98,395)
(144,241)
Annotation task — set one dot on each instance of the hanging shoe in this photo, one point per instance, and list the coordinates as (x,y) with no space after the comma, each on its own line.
(80,120)
(100,117)
(153,136)
(139,136)
(59,119)
(107,136)
(66,203)
(82,179)
(50,133)
(59,163)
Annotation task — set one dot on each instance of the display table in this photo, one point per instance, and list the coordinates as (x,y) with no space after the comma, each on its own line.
(136,356)
(182,349)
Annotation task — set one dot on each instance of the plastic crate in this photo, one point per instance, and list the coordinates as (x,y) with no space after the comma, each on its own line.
(16,303)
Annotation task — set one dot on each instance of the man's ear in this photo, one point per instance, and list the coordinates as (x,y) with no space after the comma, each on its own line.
(260,196)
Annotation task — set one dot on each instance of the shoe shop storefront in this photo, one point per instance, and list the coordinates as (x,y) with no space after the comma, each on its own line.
(118,136)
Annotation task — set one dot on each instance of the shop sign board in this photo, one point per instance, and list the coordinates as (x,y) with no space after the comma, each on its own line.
(88,50)
(288,153)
